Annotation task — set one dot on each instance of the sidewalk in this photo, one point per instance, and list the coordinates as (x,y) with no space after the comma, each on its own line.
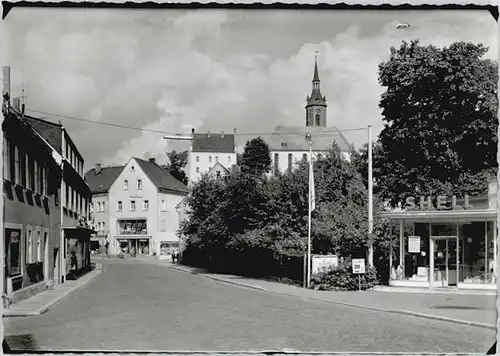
(467,309)
(41,302)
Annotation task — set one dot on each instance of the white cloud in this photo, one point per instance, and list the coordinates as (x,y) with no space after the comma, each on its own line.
(170,71)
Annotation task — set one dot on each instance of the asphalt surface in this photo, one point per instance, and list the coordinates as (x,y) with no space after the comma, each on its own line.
(136,305)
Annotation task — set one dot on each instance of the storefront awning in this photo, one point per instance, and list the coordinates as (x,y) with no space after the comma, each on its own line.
(441,215)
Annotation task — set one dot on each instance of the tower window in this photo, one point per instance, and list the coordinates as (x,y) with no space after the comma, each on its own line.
(317,120)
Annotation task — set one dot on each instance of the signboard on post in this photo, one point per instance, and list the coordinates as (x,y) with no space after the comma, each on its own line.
(320,262)
(414,244)
(358,267)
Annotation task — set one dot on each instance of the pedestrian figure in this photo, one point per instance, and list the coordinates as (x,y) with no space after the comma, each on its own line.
(73,261)
(132,252)
(106,246)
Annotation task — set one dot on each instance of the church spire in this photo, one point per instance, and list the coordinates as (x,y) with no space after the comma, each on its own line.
(316,75)
(316,103)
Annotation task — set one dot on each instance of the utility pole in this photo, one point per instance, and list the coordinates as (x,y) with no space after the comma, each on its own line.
(370,198)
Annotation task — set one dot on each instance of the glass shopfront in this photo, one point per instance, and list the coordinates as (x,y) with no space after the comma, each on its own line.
(460,254)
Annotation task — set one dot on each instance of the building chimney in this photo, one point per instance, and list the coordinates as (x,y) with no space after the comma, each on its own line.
(152,160)
(208,134)
(6,84)
(16,104)
(97,168)
(222,134)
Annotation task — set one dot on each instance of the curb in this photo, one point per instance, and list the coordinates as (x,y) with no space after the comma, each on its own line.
(219,279)
(400,312)
(46,307)
(236,283)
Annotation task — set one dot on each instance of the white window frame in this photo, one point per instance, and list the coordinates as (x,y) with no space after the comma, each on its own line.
(103,206)
(145,205)
(197,169)
(29,244)
(22,239)
(197,158)
(139,184)
(38,244)
(125,184)
(132,205)
(163,205)
(119,205)
(209,159)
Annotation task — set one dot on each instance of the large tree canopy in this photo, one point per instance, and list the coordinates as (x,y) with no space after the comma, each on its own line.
(440,121)
(178,161)
(256,158)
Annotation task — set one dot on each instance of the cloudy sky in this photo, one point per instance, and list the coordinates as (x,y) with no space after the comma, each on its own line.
(213,70)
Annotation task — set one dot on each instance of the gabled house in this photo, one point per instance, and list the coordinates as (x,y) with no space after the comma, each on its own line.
(142,202)
(75,197)
(100,179)
(218,171)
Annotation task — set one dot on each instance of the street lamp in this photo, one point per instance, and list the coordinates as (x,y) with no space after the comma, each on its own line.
(370,198)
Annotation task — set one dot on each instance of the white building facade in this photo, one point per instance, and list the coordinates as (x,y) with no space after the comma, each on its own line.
(141,205)
(208,150)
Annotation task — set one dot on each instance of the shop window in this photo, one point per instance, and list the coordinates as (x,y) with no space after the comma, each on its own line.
(13,252)
(477,254)
(132,227)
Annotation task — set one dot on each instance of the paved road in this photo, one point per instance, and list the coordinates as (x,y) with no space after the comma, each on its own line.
(137,305)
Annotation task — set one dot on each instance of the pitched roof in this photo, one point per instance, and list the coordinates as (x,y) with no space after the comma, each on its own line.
(218,164)
(213,143)
(295,139)
(50,131)
(161,178)
(100,183)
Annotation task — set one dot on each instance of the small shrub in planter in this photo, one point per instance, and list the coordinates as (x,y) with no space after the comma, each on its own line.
(342,279)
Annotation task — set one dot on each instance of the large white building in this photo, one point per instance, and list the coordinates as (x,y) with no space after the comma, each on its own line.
(290,144)
(136,206)
(210,152)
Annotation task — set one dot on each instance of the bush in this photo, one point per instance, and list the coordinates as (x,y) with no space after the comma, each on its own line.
(342,279)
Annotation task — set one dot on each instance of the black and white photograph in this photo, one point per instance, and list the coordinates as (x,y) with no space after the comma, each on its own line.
(284,180)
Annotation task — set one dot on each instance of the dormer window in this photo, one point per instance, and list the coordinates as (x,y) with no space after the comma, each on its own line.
(283,144)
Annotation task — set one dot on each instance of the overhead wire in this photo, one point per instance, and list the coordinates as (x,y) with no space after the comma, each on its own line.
(320,133)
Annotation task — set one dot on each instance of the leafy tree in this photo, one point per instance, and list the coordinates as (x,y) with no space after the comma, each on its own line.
(440,115)
(178,161)
(256,158)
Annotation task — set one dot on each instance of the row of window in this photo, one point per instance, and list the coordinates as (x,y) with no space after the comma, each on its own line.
(74,201)
(33,251)
(290,160)
(216,159)
(101,226)
(100,207)
(23,170)
(318,120)
(139,184)
(73,159)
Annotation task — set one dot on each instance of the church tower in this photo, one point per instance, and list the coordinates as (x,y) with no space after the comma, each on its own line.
(316,103)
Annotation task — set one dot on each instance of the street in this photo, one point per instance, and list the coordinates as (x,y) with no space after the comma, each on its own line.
(139,305)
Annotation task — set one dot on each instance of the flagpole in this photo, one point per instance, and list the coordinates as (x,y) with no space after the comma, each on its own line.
(370,197)
(309,221)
